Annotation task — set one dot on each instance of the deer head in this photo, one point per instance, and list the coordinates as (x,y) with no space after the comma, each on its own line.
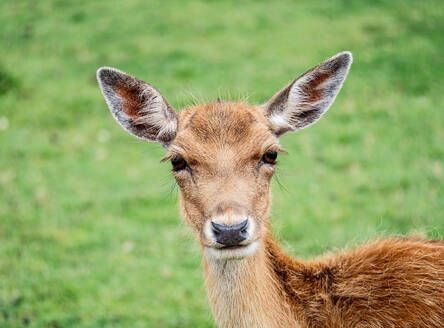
(223,154)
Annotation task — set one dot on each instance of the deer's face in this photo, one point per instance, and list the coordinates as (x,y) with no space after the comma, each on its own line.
(223,154)
(223,159)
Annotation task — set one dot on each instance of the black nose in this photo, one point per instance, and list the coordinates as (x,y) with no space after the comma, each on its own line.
(230,235)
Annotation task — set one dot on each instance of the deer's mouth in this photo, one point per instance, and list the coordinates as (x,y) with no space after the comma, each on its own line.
(233,247)
(234,252)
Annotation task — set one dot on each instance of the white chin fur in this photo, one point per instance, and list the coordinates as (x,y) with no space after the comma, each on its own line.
(231,254)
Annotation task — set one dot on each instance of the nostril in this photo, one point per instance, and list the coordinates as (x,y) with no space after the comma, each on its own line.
(243,225)
(244,233)
(217,228)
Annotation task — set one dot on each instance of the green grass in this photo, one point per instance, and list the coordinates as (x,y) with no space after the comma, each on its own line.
(90,234)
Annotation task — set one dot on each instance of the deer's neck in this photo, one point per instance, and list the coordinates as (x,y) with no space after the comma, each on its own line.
(249,292)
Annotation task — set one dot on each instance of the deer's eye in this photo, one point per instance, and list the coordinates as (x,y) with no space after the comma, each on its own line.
(270,157)
(178,163)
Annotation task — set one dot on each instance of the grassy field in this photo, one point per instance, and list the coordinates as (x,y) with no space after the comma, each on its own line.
(90,234)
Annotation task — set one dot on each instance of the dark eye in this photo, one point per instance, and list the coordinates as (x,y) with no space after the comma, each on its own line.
(178,163)
(270,157)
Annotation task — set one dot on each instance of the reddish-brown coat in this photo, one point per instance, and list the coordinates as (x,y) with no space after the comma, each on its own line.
(386,283)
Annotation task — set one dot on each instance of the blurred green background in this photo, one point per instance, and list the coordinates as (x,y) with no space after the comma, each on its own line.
(90,234)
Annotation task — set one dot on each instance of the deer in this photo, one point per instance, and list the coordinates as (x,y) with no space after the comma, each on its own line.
(223,156)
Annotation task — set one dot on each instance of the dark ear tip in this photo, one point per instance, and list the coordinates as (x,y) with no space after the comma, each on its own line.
(103,72)
(108,75)
(344,58)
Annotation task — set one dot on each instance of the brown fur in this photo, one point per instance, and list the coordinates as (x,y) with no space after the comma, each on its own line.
(387,283)
(131,104)
(312,86)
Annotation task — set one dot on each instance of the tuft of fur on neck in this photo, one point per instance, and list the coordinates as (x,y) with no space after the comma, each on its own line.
(246,293)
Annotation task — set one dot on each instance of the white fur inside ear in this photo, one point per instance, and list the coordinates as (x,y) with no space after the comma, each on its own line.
(307,98)
(137,106)
(156,113)
(279,121)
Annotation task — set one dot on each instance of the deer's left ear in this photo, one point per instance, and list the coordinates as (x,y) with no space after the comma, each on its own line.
(306,99)
(138,107)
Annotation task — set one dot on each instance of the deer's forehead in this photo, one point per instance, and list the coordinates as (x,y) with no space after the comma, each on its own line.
(222,129)
(219,123)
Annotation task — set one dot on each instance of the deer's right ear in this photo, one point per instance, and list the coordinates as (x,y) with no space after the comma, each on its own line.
(138,107)
(306,99)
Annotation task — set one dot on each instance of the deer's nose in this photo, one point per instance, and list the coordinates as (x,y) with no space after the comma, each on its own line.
(230,235)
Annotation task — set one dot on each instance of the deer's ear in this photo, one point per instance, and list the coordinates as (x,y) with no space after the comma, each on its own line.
(138,107)
(306,99)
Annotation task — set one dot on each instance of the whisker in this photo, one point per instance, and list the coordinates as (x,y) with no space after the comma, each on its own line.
(278,180)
